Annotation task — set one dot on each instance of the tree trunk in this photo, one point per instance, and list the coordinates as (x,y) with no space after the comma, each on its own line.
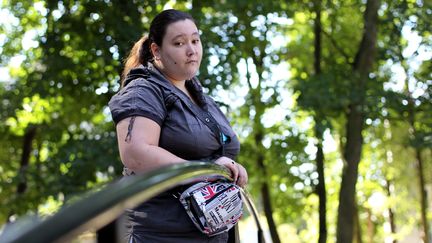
(321,190)
(419,164)
(258,139)
(370,226)
(321,187)
(390,212)
(266,198)
(357,226)
(423,196)
(354,125)
(25,159)
(352,154)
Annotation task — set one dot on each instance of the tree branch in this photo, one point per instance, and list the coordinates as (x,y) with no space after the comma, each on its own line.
(338,48)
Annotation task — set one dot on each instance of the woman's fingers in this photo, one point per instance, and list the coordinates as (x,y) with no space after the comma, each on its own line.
(231,165)
(234,170)
(242,176)
(238,172)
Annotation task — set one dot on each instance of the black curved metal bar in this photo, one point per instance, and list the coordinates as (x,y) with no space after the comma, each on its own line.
(102,207)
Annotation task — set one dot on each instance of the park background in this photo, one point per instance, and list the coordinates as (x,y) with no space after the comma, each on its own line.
(331,100)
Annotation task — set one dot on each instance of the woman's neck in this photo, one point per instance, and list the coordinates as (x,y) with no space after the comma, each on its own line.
(180,84)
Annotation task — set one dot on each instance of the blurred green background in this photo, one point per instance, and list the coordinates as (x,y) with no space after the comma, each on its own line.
(331,100)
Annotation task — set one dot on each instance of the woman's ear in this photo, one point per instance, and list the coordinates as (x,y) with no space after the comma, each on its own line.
(154,48)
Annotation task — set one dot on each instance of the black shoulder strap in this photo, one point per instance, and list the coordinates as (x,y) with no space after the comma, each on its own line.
(211,123)
(204,116)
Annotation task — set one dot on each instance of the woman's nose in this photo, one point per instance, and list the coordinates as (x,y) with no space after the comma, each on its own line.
(191,49)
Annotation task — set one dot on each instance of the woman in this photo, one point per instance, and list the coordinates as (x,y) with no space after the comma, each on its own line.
(159,115)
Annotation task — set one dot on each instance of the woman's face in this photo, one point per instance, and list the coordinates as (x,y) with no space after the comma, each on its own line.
(180,55)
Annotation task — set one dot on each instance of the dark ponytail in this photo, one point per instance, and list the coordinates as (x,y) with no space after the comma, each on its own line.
(141,53)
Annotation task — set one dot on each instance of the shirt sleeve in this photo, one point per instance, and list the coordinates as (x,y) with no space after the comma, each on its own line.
(138,98)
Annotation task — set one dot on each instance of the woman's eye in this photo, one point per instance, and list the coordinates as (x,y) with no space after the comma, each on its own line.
(178,43)
(196,41)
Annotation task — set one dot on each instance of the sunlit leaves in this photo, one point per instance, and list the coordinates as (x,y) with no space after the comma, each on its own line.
(64,60)
(68,64)
(34,111)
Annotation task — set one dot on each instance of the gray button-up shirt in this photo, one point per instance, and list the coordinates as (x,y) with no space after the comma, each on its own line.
(148,94)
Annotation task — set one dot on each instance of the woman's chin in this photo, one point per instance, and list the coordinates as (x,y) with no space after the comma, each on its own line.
(190,75)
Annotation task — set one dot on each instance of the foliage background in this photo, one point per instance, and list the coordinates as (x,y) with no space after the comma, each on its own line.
(61,61)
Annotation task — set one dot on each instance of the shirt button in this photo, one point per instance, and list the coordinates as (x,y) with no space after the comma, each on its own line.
(207,120)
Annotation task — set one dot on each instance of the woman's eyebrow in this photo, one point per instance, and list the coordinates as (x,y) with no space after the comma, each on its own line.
(182,35)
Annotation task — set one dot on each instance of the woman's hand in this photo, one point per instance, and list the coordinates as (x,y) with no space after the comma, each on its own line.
(238,172)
